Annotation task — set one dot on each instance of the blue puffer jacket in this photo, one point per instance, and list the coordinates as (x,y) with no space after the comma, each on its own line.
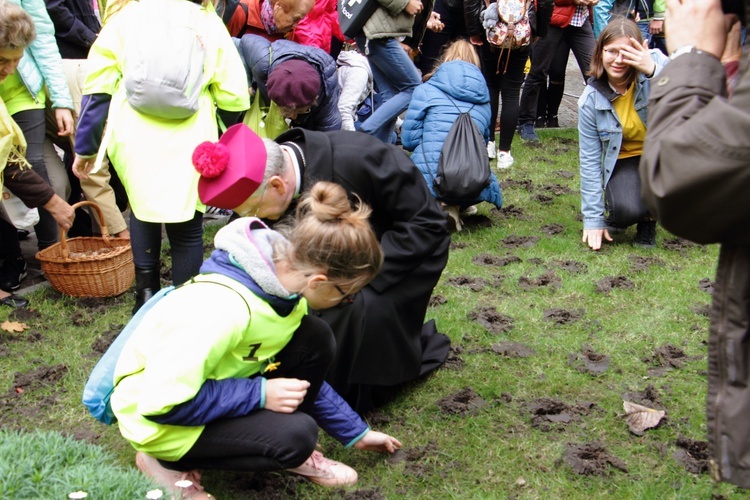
(431,115)
(260,56)
(41,62)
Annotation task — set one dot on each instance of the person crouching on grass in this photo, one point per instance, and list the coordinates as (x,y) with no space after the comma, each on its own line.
(239,384)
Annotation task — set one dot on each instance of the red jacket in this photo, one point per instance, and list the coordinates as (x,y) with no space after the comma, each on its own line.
(318,26)
(563,13)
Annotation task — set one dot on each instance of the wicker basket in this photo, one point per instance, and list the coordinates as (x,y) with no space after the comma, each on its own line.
(89,266)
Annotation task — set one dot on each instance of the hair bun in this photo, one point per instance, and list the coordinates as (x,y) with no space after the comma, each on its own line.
(210,159)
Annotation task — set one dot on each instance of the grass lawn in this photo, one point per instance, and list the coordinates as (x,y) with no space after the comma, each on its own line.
(549,338)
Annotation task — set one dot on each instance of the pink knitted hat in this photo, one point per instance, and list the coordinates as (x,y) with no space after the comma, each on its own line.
(231,169)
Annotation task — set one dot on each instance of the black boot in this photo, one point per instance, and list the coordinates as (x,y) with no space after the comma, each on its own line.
(645,235)
(147,283)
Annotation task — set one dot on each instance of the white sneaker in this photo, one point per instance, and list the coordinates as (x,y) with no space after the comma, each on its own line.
(216,213)
(491,150)
(504,159)
(326,472)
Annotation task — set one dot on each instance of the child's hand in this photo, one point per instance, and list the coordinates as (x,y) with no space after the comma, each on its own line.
(377,441)
(284,395)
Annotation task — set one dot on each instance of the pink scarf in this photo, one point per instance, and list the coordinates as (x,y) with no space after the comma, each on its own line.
(266,17)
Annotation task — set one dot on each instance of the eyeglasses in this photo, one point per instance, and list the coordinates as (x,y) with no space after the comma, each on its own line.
(611,53)
(348,297)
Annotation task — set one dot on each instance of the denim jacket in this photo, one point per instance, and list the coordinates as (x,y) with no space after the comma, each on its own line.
(600,138)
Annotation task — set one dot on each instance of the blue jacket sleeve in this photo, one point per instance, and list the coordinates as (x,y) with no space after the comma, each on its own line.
(337,418)
(93,117)
(227,398)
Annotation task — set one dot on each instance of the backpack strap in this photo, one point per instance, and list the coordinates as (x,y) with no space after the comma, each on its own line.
(456,105)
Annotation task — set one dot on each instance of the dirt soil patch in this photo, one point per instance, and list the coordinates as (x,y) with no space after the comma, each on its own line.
(103,341)
(454,361)
(564,174)
(572,266)
(464,402)
(591,459)
(492,320)
(677,244)
(649,397)
(556,189)
(437,300)
(639,263)
(548,279)
(473,284)
(606,285)
(562,316)
(693,455)
(522,184)
(24,315)
(667,356)
(488,259)
(549,414)
(588,361)
(552,229)
(512,350)
(544,199)
(512,212)
(707,285)
(515,241)
(42,376)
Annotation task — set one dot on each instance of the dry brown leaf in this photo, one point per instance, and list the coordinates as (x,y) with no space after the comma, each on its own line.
(640,418)
(14,326)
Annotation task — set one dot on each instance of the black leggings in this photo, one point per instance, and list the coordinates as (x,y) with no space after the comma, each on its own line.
(265,440)
(623,194)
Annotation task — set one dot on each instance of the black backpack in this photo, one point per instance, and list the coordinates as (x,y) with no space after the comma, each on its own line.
(464,167)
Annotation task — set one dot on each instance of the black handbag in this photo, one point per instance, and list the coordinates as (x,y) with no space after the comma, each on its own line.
(353,14)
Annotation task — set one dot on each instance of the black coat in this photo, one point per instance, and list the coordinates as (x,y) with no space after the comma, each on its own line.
(76,26)
(379,335)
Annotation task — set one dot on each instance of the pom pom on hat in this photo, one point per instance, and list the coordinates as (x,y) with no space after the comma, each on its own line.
(293,84)
(231,169)
(210,159)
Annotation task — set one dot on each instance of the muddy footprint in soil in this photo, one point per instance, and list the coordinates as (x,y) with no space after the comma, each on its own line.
(492,320)
(552,229)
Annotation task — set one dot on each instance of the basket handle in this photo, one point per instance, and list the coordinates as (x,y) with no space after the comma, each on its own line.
(103,223)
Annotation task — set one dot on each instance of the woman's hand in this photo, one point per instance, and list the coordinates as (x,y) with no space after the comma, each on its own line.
(65,123)
(284,395)
(434,23)
(594,237)
(61,211)
(636,55)
(82,166)
(414,7)
(377,441)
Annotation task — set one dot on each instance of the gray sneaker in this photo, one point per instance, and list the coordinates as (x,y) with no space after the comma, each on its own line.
(526,132)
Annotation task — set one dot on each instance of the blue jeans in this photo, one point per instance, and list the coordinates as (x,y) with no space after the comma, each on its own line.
(396,77)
